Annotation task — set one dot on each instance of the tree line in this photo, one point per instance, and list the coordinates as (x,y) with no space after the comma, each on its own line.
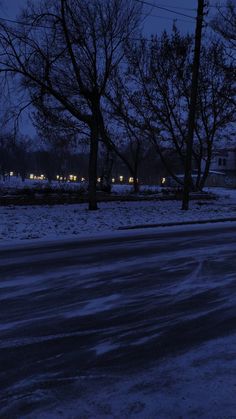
(89,73)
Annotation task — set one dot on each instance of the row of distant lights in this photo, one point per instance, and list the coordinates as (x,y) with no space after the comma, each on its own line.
(73,178)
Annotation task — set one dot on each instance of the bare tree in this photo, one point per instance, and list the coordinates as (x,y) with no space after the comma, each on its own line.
(126,135)
(20,148)
(59,133)
(225,24)
(67,50)
(160,73)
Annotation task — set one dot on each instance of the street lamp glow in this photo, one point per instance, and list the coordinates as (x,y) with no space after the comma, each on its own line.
(163,180)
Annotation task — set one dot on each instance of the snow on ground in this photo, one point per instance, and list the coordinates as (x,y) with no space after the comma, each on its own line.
(223,192)
(65,221)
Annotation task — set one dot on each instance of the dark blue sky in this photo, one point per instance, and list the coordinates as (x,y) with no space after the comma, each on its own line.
(160,20)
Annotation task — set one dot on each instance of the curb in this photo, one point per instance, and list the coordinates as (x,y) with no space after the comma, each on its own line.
(181,223)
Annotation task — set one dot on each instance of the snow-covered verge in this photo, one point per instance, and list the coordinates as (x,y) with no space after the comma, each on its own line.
(65,221)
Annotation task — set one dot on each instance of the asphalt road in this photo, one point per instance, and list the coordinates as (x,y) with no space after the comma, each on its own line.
(77,318)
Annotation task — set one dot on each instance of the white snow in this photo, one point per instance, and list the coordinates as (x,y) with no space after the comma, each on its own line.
(68,221)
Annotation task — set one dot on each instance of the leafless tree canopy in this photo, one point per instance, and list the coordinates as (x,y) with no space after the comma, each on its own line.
(225,23)
(66,52)
(153,99)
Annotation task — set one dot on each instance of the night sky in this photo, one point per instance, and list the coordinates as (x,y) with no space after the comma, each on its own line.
(157,23)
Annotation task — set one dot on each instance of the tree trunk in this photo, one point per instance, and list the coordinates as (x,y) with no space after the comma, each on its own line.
(136,186)
(93,155)
(106,171)
(136,165)
(207,168)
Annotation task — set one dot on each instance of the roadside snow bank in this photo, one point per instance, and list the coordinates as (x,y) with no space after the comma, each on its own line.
(64,221)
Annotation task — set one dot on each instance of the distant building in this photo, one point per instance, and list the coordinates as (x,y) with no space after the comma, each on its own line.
(223,169)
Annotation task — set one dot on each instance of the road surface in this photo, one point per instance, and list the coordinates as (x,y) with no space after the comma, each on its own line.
(136,325)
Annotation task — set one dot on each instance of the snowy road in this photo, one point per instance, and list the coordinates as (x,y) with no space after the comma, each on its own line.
(137,325)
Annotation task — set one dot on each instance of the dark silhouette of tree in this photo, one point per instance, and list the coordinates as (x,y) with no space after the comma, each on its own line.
(123,125)
(159,100)
(225,24)
(65,53)
(20,149)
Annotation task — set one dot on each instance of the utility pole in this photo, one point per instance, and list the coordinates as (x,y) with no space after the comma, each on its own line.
(192,107)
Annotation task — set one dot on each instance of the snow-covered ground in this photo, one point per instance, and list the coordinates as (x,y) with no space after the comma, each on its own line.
(65,221)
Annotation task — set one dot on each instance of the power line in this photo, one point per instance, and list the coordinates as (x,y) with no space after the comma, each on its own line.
(177,7)
(159,6)
(166,18)
(24,23)
(165,9)
(48,27)
(191,9)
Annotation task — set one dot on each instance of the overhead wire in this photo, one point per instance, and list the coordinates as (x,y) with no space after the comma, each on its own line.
(24,23)
(177,7)
(167,18)
(145,2)
(32,26)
